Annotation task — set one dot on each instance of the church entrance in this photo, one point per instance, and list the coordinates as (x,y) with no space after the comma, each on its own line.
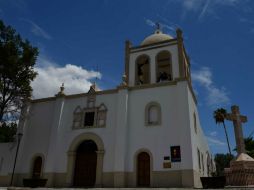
(85,164)
(143,170)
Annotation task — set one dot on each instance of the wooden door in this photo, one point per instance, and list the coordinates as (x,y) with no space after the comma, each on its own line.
(143,170)
(37,167)
(85,167)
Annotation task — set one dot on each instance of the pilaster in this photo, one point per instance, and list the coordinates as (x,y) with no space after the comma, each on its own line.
(100,155)
(153,69)
(22,127)
(121,137)
(127,59)
(51,156)
(180,52)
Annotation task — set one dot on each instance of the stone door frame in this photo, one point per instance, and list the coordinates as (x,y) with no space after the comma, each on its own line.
(136,165)
(71,155)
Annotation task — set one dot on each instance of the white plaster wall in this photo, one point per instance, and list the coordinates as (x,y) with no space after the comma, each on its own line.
(176,128)
(152,54)
(66,134)
(198,139)
(7,154)
(158,139)
(36,135)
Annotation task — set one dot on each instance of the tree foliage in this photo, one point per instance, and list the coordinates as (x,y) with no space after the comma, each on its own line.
(7,132)
(17,59)
(222,161)
(219,116)
(249,146)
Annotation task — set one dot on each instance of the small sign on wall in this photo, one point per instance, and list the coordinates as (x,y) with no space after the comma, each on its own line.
(175,153)
(167,165)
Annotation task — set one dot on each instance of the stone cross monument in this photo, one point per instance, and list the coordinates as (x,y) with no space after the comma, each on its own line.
(237,121)
(241,171)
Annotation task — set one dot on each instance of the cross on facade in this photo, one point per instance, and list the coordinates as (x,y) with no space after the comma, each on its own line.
(237,121)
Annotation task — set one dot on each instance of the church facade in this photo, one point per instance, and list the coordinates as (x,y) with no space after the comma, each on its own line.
(144,133)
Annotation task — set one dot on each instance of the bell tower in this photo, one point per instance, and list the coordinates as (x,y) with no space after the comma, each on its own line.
(159,58)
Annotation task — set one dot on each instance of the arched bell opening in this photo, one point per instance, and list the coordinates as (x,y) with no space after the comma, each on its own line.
(163,67)
(142,70)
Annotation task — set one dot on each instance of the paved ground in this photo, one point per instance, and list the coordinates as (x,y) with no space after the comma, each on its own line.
(22,188)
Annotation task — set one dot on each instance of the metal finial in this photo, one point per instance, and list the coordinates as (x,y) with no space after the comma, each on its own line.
(97,70)
(158,26)
(62,88)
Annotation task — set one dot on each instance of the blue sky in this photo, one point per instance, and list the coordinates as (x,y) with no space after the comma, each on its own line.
(75,38)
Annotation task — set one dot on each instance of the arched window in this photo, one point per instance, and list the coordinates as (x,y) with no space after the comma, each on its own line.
(153,114)
(163,67)
(142,70)
(202,159)
(199,161)
(195,122)
(37,166)
(208,164)
(77,118)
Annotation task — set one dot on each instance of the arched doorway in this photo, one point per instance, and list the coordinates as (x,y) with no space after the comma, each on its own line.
(37,165)
(85,164)
(143,169)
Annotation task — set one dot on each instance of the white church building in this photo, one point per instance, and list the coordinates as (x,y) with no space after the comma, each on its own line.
(144,133)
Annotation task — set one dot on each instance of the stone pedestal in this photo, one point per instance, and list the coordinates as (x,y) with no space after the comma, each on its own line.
(241,171)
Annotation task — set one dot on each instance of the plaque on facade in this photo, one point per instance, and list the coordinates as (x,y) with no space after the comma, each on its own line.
(167,165)
(175,154)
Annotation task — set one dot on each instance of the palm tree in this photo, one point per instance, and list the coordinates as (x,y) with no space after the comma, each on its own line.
(219,116)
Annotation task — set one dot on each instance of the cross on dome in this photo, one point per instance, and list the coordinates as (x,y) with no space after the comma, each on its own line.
(158,25)
(158,28)
(158,36)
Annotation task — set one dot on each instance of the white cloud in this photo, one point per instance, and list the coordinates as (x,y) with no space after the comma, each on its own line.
(205,7)
(37,30)
(50,77)
(213,133)
(150,22)
(215,142)
(215,96)
(248,22)
(163,25)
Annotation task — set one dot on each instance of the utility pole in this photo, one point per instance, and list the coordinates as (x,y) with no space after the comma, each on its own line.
(16,155)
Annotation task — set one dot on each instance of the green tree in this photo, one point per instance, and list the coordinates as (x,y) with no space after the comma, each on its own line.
(17,60)
(249,146)
(222,161)
(219,117)
(7,132)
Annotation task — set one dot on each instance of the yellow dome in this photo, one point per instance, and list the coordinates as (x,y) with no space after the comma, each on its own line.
(158,36)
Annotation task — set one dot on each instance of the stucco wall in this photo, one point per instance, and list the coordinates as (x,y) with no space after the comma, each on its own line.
(158,139)
(198,142)
(36,134)
(66,134)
